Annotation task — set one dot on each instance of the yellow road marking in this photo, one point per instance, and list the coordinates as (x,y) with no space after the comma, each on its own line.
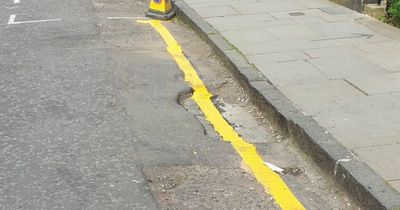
(271,181)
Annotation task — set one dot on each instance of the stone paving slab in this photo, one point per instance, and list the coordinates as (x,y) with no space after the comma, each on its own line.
(341,67)
(208,4)
(322,97)
(332,51)
(268,6)
(254,21)
(292,72)
(350,129)
(285,31)
(346,112)
(335,10)
(336,65)
(382,159)
(340,29)
(380,47)
(246,37)
(278,23)
(217,11)
(355,40)
(384,83)
(300,16)
(239,19)
(316,3)
(279,57)
(381,59)
(275,46)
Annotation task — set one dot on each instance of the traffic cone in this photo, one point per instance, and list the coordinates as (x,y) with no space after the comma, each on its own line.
(160,9)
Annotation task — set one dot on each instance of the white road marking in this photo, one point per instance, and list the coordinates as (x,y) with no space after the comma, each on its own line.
(127,18)
(11,21)
(16,1)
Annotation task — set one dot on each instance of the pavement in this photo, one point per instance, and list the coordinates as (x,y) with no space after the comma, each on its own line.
(335,65)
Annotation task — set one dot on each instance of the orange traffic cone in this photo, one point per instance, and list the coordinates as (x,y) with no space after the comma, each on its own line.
(160,9)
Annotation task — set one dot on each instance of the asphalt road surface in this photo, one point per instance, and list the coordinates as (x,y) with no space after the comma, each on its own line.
(90,119)
(86,105)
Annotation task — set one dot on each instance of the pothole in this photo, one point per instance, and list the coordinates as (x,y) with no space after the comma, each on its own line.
(184,95)
(184,99)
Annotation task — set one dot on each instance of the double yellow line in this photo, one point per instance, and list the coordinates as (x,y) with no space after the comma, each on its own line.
(271,181)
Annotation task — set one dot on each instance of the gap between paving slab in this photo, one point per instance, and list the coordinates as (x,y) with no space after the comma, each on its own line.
(366,187)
